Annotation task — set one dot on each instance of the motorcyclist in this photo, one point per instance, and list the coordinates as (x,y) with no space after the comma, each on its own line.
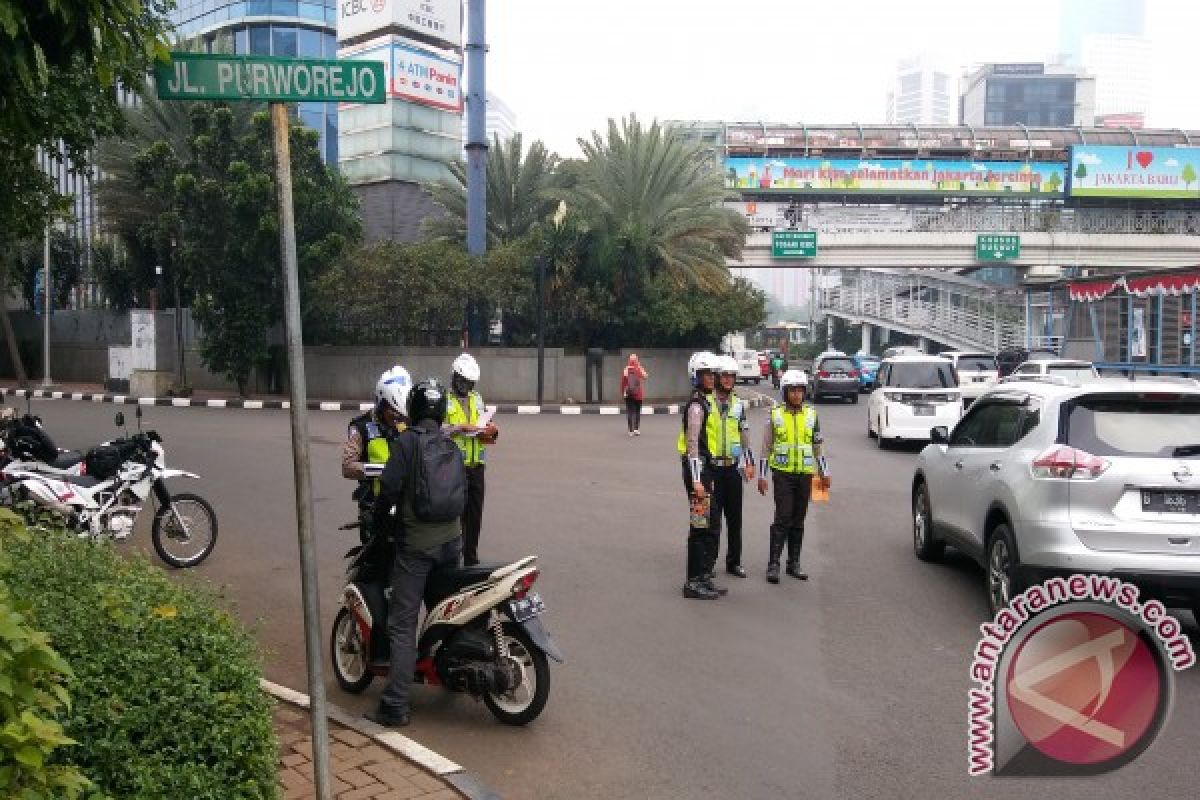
(369,435)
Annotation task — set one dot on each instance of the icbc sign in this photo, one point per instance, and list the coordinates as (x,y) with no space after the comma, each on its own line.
(439,20)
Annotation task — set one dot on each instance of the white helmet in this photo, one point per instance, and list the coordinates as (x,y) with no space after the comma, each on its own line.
(793,377)
(393,388)
(703,361)
(467,367)
(727,364)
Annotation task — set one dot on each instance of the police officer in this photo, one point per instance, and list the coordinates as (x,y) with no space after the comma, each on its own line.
(369,435)
(792,452)
(464,407)
(732,462)
(694,456)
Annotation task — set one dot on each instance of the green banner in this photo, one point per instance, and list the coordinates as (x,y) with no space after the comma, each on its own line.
(210,76)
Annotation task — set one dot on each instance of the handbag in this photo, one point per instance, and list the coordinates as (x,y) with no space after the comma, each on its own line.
(819,493)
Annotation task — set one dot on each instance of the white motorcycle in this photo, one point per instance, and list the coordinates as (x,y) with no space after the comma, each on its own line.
(107,499)
(482,635)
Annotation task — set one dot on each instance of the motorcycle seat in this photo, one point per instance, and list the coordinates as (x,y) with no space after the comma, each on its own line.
(85,481)
(444,582)
(67,459)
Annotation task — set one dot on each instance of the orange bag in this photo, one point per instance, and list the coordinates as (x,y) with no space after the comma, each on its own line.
(819,493)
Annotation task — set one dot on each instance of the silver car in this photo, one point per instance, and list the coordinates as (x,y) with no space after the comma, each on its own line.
(1049,476)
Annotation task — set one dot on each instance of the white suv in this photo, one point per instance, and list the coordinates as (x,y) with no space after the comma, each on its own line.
(913,394)
(1049,477)
(976,373)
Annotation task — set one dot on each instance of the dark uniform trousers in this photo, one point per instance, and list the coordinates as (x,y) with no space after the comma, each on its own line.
(701,542)
(472,518)
(792,492)
(727,500)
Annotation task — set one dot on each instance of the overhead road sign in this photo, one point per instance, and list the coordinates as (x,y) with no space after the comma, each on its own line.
(997,247)
(793,244)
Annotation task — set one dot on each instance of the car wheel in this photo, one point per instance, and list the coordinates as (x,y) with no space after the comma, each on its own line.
(883,443)
(854,399)
(870,431)
(1001,569)
(925,543)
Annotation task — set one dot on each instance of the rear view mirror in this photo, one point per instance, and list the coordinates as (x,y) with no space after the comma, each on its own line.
(120,419)
(940,435)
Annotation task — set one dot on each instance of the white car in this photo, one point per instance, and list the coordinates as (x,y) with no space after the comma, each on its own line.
(1073,371)
(913,395)
(976,372)
(748,367)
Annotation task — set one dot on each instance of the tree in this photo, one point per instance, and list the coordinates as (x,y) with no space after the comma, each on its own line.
(1188,175)
(66,266)
(1081,172)
(60,65)
(1053,183)
(519,196)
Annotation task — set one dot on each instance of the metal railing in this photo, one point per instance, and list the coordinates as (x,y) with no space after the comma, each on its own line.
(1002,219)
(944,310)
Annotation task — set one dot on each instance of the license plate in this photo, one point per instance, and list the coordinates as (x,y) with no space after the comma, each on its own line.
(980,380)
(923,411)
(1169,501)
(527,607)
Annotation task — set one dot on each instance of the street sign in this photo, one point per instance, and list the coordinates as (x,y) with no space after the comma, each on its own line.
(793,244)
(211,76)
(997,246)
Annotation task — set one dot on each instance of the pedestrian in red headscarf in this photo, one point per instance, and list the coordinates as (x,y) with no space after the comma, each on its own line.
(633,387)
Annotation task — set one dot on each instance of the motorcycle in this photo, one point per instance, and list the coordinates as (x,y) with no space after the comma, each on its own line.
(107,498)
(25,443)
(482,634)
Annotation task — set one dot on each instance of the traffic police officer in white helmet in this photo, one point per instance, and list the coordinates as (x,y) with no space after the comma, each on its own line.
(472,430)
(693,447)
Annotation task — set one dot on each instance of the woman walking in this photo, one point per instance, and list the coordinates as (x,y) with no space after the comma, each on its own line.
(633,387)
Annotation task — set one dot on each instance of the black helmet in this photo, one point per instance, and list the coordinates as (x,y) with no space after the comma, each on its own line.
(427,400)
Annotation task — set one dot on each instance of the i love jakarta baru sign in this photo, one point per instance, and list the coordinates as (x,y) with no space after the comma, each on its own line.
(1132,171)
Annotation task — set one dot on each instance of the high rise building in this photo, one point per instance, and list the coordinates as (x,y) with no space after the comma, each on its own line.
(1106,38)
(1048,95)
(1083,18)
(921,94)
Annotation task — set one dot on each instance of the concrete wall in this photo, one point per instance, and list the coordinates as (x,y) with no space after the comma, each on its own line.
(80,342)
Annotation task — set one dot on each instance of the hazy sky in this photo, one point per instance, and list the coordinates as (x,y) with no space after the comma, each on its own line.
(566,66)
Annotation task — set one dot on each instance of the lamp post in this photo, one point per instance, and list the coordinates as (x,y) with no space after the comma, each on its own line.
(46,382)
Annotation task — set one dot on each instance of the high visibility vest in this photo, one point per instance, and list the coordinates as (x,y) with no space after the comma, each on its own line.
(792,440)
(722,432)
(474,453)
(376,442)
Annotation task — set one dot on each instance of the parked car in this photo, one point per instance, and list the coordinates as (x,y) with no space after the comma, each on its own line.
(748,368)
(1068,369)
(834,376)
(976,372)
(913,395)
(1010,358)
(1042,479)
(868,368)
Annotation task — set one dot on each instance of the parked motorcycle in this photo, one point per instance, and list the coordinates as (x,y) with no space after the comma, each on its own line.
(25,442)
(107,498)
(482,635)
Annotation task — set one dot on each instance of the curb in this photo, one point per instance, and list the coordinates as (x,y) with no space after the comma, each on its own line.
(465,782)
(313,405)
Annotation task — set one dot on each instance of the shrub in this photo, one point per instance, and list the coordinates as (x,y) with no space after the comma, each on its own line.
(164,686)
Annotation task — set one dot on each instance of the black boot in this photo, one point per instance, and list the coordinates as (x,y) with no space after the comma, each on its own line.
(710,582)
(795,538)
(793,569)
(699,591)
(773,560)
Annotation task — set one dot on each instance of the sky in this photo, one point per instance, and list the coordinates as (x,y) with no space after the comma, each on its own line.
(566,66)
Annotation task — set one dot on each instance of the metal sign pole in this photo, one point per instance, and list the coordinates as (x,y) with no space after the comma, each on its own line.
(300,459)
(46,382)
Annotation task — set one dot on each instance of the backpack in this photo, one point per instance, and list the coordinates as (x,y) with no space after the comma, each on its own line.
(439,482)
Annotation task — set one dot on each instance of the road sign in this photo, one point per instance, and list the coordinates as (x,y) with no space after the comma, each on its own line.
(211,76)
(997,246)
(793,244)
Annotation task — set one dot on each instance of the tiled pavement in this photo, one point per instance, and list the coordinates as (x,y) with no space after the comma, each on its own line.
(362,768)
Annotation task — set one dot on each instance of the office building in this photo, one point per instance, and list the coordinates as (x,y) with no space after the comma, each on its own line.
(920,94)
(1081,19)
(1043,95)
(1106,38)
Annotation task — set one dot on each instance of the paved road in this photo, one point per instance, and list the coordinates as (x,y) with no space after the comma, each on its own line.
(853,685)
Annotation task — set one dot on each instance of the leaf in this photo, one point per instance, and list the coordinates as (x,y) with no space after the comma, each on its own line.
(30,756)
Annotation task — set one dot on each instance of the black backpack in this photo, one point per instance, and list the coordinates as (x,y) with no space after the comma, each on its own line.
(439,482)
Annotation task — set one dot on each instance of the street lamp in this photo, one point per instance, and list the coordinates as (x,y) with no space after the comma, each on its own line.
(46,382)
(560,214)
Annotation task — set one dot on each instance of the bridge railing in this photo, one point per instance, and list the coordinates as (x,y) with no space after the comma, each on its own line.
(1010,219)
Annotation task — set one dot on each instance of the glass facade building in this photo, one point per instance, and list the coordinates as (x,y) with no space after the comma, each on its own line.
(274,28)
(1039,95)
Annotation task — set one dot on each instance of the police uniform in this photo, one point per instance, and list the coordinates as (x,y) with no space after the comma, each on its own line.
(728,454)
(465,411)
(697,468)
(791,438)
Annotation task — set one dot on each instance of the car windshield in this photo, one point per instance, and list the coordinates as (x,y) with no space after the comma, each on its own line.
(1150,426)
(976,363)
(843,364)
(921,375)
(1073,372)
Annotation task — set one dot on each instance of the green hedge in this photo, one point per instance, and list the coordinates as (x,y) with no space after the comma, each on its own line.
(164,685)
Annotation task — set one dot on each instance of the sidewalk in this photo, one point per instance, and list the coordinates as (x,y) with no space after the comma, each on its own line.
(367,762)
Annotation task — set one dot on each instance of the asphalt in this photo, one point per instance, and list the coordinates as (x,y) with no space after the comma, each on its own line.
(852,685)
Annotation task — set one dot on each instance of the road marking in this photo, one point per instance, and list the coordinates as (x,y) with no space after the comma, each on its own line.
(216,404)
(147,401)
(609,411)
(331,407)
(570,410)
(529,409)
(252,404)
(365,406)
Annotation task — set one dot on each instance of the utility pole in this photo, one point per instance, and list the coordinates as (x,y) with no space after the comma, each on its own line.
(46,382)
(477,145)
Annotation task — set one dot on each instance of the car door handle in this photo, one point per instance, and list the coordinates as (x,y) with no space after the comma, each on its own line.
(958,465)
(994,466)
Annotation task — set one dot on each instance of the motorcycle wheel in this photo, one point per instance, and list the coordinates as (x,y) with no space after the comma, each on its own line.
(523,704)
(349,654)
(188,547)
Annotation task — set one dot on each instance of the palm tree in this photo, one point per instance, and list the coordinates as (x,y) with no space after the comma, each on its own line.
(653,202)
(519,192)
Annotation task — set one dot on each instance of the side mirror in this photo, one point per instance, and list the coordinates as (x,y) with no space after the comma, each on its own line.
(120,419)
(940,435)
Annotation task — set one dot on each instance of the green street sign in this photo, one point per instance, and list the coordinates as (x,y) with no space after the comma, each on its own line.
(793,244)
(210,76)
(997,246)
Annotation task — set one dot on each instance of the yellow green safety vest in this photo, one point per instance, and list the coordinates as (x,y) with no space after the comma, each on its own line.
(377,449)
(792,440)
(722,433)
(474,453)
